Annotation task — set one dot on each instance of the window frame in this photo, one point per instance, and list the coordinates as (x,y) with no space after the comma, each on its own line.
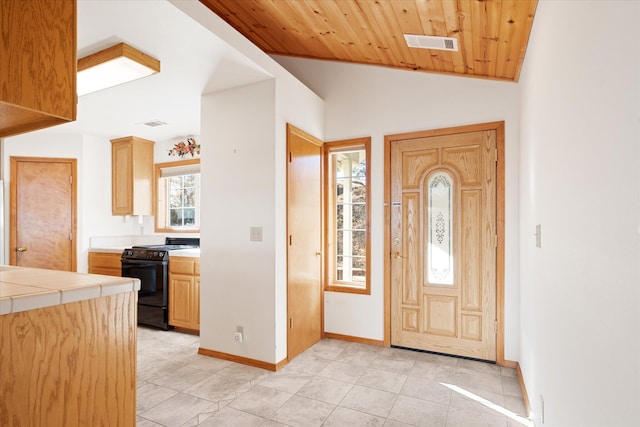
(158,227)
(330,282)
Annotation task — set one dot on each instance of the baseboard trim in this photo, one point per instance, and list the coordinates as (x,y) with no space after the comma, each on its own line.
(523,389)
(187,330)
(379,343)
(242,360)
(509,364)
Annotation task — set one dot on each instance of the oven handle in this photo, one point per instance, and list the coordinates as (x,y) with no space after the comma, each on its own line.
(141,262)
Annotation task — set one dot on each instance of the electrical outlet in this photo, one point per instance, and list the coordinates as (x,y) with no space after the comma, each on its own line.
(237,337)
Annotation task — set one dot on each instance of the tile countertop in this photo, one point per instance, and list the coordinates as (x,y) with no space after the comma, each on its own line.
(23,288)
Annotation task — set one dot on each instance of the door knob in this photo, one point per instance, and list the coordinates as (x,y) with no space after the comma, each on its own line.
(21,249)
(397,255)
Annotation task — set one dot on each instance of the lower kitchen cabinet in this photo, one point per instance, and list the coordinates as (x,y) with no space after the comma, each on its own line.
(184,293)
(105,263)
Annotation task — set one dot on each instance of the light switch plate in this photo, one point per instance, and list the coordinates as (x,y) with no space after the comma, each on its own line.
(255,234)
(538,236)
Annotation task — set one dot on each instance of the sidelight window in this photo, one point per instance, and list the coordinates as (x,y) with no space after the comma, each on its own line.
(347,215)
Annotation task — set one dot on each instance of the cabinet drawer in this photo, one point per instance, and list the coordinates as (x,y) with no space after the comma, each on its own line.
(104,260)
(182,265)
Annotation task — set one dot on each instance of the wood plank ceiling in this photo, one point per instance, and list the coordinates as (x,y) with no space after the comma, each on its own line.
(492,34)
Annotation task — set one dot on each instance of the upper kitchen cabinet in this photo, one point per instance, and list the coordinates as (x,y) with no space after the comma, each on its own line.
(132,176)
(38,63)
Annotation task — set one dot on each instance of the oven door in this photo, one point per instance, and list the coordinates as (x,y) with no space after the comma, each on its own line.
(153,277)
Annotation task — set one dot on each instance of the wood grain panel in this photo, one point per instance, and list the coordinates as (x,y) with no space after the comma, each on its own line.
(70,365)
(434,22)
(118,51)
(408,14)
(184,293)
(105,263)
(411,251)
(182,265)
(492,35)
(470,249)
(414,165)
(47,234)
(304,229)
(471,327)
(410,318)
(132,180)
(181,310)
(440,315)
(38,63)
(122,179)
(466,161)
(469,155)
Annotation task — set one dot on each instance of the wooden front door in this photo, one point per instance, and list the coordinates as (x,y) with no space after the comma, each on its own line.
(304,228)
(443,242)
(43,209)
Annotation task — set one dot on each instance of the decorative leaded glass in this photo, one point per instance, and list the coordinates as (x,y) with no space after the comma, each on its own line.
(440,229)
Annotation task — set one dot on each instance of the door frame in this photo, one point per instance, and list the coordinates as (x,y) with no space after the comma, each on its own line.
(500,209)
(13,208)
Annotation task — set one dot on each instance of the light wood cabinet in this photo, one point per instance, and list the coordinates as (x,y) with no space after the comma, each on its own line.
(132,176)
(184,293)
(38,63)
(105,263)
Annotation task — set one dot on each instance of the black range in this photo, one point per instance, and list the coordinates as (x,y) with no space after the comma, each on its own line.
(150,264)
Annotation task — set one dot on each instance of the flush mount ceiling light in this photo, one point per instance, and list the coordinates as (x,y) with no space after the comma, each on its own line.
(113,66)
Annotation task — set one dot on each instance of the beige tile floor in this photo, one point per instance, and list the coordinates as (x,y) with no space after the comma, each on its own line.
(334,383)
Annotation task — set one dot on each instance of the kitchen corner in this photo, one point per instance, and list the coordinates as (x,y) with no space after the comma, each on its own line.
(169,272)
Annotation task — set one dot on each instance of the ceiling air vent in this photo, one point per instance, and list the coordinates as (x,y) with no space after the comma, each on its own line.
(154,123)
(432,42)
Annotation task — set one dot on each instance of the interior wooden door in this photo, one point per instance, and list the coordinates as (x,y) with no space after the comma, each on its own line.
(43,213)
(443,243)
(304,228)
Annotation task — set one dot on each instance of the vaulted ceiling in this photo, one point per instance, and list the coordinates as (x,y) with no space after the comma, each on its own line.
(492,35)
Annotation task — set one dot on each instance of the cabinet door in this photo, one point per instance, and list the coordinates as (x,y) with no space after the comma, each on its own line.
(122,178)
(181,301)
(132,176)
(38,63)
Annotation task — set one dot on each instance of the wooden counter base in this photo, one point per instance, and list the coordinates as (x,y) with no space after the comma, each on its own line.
(70,365)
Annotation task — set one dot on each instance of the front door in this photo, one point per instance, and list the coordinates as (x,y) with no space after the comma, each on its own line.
(443,242)
(42,219)
(304,245)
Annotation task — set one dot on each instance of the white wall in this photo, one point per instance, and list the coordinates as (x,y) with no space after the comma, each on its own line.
(237,285)
(243,283)
(580,163)
(247,285)
(374,101)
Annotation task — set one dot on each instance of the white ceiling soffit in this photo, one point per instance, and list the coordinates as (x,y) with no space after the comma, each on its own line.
(194,61)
